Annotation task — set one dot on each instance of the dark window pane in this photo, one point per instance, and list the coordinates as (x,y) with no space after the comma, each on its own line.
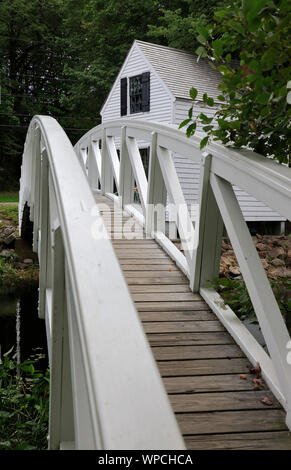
(135,94)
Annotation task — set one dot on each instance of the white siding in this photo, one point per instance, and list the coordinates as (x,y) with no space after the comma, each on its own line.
(160,98)
(189,173)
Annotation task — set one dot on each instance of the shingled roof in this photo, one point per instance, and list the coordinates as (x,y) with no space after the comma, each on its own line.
(180,70)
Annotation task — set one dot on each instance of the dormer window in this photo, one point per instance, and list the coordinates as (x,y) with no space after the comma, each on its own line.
(138,93)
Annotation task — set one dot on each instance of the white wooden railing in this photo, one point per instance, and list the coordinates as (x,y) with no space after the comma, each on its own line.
(105,389)
(221,168)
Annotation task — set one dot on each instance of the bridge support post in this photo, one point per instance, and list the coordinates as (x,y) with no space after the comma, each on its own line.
(93,173)
(156,195)
(126,180)
(206,257)
(106,169)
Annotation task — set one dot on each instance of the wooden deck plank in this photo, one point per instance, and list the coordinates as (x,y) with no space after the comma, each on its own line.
(145,261)
(205,373)
(217,401)
(132,255)
(232,421)
(280,440)
(165,297)
(131,280)
(173,353)
(167,275)
(189,339)
(182,327)
(159,289)
(150,267)
(208,383)
(203,367)
(155,306)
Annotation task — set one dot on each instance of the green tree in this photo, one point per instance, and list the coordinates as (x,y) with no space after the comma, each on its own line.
(179,22)
(249,43)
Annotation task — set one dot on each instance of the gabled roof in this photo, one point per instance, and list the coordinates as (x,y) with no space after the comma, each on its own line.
(180,70)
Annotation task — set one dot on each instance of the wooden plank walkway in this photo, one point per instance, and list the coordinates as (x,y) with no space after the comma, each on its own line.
(198,360)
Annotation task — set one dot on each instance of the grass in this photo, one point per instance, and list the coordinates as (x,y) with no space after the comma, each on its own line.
(9,197)
(9,213)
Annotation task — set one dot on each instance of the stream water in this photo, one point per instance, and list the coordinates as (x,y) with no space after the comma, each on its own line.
(20,326)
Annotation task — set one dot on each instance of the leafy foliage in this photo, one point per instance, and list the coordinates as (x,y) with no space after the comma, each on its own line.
(24,403)
(235,294)
(61,57)
(179,23)
(249,44)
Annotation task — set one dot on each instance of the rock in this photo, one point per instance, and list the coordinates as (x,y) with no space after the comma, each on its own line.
(225,246)
(278,262)
(9,239)
(261,247)
(259,237)
(28,261)
(234,270)
(265,264)
(6,253)
(226,261)
(278,272)
(7,235)
(229,253)
(277,252)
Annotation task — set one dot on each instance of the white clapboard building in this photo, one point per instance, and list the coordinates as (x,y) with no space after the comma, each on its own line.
(153,84)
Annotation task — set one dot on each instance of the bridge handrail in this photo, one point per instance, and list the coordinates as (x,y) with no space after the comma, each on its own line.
(105,388)
(220,169)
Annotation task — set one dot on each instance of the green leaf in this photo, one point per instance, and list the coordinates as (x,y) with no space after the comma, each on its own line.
(205,98)
(223,123)
(223,69)
(184,123)
(262,98)
(205,119)
(203,31)
(193,93)
(234,124)
(207,128)
(201,52)
(220,14)
(5,414)
(218,47)
(190,113)
(238,27)
(201,39)
(268,59)
(210,101)
(204,142)
(191,129)
(265,111)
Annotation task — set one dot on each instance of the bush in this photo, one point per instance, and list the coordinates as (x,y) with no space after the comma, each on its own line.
(24,403)
(249,44)
(235,294)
